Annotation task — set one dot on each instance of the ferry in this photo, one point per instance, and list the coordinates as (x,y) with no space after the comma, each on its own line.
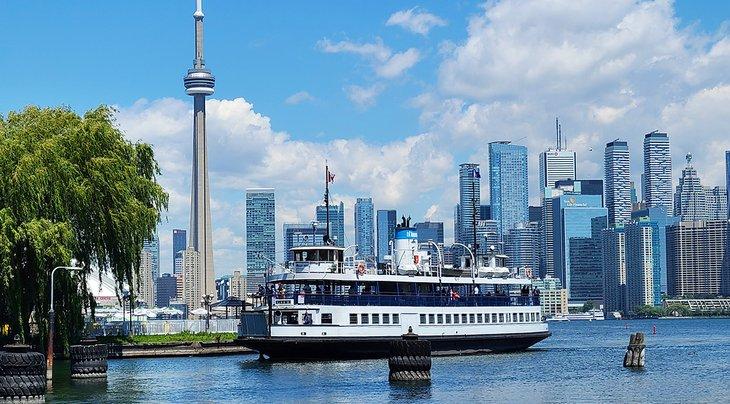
(316,307)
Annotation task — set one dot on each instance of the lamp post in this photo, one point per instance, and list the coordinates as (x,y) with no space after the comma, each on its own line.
(205,301)
(441,258)
(473,264)
(52,323)
(314,232)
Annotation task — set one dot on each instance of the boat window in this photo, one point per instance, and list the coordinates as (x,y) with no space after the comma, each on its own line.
(532,316)
(290,317)
(364,318)
(326,318)
(456,319)
(522,317)
(501,317)
(340,255)
(423,319)
(440,318)
(387,288)
(431,319)
(463,318)
(353,318)
(514,317)
(386,318)
(471,318)
(479,318)
(396,318)
(376,318)
(448,318)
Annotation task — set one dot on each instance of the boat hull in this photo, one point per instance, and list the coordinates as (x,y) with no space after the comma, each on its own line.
(284,348)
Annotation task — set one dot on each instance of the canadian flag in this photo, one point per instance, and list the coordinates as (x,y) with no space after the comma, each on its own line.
(330,177)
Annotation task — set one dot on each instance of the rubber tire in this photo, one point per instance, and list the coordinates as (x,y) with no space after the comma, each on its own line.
(86,367)
(22,385)
(398,363)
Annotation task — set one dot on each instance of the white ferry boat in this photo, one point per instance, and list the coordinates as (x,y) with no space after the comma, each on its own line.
(316,307)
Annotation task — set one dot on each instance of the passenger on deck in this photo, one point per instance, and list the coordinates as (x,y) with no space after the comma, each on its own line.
(280,292)
(352,290)
(307,289)
(318,290)
(261,291)
(476,290)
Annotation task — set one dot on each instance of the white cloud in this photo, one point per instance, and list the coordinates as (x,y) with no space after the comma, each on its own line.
(398,63)
(364,97)
(298,98)
(415,20)
(385,63)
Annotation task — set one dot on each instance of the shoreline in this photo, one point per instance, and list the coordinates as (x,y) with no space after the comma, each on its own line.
(166,350)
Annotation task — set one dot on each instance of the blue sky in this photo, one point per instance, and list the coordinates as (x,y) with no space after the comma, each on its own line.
(482,72)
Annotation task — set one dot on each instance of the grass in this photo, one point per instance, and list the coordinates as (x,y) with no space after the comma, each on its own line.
(170,338)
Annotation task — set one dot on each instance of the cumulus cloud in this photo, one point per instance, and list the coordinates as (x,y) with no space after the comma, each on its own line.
(415,20)
(386,63)
(364,97)
(298,98)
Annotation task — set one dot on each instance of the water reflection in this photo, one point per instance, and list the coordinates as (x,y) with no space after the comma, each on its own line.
(408,391)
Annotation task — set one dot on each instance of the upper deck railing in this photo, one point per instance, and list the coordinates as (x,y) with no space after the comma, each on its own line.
(421,300)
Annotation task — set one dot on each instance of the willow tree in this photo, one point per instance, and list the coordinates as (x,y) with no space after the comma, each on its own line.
(71,187)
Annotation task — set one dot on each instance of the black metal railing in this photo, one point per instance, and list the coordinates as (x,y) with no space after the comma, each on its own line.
(406,300)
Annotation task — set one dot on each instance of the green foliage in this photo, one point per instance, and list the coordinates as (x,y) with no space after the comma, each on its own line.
(70,187)
(587,306)
(171,338)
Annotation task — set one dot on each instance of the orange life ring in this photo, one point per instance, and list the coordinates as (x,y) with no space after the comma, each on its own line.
(415,259)
(360,268)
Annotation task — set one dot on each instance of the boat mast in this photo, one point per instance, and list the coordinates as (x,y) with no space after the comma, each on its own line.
(327,201)
(475,246)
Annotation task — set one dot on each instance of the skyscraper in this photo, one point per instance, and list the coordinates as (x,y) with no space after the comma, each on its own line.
(508,184)
(299,235)
(556,164)
(166,289)
(149,269)
(386,221)
(337,221)
(433,231)
(657,171)
(696,257)
(643,287)
(179,244)
(522,246)
(617,182)
(199,83)
(613,242)
(690,199)
(469,201)
(546,232)
(658,215)
(364,228)
(716,203)
(577,224)
(727,179)
(260,234)
(153,246)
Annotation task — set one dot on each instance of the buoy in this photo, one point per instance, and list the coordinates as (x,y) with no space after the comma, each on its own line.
(653,329)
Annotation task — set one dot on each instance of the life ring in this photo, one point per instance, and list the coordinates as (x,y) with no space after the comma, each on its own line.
(361,269)
(415,259)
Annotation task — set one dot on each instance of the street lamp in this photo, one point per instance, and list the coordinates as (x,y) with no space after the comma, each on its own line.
(52,323)
(205,301)
(473,264)
(441,258)
(314,232)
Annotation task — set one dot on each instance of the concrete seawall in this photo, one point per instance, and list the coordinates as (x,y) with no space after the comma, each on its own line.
(117,351)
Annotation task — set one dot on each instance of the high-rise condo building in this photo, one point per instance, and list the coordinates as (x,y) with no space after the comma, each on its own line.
(690,199)
(153,246)
(300,235)
(364,229)
(522,246)
(643,287)
(613,242)
(166,290)
(192,280)
(469,202)
(386,221)
(547,267)
(145,281)
(508,184)
(260,235)
(488,236)
(716,203)
(658,215)
(199,83)
(577,224)
(337,221)
(433,231)
(617,182)
(696,257)
(179,244)
(657,176)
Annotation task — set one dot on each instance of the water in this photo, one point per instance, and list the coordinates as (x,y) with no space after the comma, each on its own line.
(686,361)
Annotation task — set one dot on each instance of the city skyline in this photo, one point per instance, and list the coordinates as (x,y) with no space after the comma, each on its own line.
(439,117)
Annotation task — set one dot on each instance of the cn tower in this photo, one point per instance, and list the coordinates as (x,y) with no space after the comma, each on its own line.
(199,83)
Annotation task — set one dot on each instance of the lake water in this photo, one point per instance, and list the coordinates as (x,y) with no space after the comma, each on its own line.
(686,361)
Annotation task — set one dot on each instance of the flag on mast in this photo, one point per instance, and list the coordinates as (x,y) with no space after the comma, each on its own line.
(476,173)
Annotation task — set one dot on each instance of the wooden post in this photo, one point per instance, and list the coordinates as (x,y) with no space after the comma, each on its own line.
(635,352)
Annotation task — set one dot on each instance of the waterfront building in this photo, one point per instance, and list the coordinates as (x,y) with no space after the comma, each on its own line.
(577,223)
(192,279)
(553,297)
(701,305)
(690,198)
(613,241)
(299,235)
(364,229)
(199,83)
(696,257)
(643,285)
(166,290)
(522,246)
(337,221)
(508,184)
(260,234)
(716,203)
(179,244)
(237,285)
(144,280)
(617,182)
(485,212)
(659,216)
(469,201)
(657,186)
(386,221)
